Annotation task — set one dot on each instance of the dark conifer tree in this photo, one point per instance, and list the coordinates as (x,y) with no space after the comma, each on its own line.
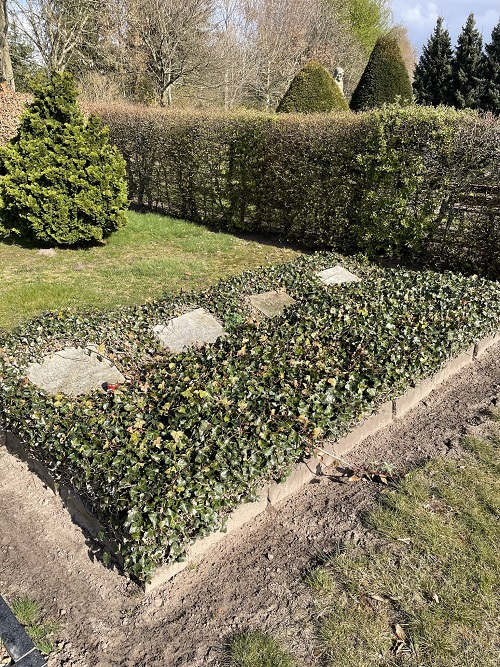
(468,67)
(432,80)
(385,78)
(491,93)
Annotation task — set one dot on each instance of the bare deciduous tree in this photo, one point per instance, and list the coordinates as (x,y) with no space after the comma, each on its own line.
(6,74)
(234,60)
(173,38)
(408,51)
(60,30)
(280,31)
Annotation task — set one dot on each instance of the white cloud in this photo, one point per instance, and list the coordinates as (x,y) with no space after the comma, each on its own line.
(417,15)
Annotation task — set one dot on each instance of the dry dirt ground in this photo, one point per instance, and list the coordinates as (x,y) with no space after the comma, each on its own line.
(252,579)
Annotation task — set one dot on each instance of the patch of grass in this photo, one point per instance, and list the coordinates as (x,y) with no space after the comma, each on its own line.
(427,595)
(256,649)
(151,256)
(29,614)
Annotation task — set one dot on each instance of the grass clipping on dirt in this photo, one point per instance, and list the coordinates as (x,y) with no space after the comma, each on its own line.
(427,594)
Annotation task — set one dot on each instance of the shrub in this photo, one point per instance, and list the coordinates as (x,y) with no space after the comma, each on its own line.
(312,90)
(385,78)
(60,179)
(162,459)
(403,176)
(418,183)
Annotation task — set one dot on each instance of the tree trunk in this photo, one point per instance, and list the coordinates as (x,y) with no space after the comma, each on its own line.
(6,73)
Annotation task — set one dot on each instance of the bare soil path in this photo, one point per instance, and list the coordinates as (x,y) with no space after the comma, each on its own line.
(253,579)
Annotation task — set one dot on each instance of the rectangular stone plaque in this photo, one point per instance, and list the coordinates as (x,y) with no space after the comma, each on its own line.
(73,371)
(194,328)
(337,275)
(271,303)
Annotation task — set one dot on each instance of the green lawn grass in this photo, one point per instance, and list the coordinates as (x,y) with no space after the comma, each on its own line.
(428,595)
(151,256)
(41,631)
(256,649)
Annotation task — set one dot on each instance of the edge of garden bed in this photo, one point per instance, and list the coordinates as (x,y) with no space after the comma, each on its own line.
(273,492)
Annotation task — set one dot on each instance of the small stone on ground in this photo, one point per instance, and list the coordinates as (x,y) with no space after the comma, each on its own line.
(194,328)
(337,275)
(271,303)
(73,371)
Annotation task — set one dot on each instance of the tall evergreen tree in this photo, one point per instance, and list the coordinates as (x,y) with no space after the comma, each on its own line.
(61,180)
(467,67)
(432,78)
(491,93)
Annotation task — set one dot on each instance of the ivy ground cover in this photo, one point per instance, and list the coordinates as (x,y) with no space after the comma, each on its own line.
(163,458)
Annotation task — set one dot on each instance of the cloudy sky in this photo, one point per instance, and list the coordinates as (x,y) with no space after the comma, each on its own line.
(420,17)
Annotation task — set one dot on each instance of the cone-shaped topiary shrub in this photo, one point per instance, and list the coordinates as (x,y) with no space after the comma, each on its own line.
(385,77)
(312,90)
(61,181)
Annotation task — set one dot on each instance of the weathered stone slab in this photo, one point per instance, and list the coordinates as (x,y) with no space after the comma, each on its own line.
(73,371)
(454,366)
(413,397)
(194,328)
(337,275)
(301,475)
(47,252)
(271,303)
(370,425)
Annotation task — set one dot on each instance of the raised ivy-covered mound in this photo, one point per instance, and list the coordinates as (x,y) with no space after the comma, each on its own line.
(162,459)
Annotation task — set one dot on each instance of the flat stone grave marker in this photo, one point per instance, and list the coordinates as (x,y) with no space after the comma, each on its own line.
(337,275)
(193,328)
(73,371)
(271,303)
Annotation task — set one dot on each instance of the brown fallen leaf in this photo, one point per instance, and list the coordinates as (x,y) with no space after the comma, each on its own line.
(354,478)
(378,597)
(400,633)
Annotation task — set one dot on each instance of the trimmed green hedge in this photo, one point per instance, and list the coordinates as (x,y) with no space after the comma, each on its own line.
(414,183)
(161,460)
